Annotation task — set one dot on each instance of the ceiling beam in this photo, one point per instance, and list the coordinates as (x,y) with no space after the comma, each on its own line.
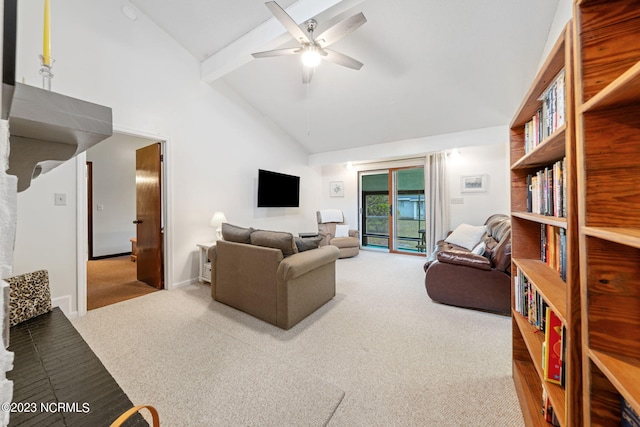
(266,36)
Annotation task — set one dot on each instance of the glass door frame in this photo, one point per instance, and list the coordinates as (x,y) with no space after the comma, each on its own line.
(362,210)
(392,192)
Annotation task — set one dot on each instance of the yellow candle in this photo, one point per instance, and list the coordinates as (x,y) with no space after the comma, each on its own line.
(46,42)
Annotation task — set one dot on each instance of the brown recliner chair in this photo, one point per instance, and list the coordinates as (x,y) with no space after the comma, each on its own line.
(457,277)
(328,220)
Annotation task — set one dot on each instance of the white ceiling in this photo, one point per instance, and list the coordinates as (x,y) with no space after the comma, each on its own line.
(430,66)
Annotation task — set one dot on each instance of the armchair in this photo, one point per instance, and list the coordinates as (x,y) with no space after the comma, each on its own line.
(335,232)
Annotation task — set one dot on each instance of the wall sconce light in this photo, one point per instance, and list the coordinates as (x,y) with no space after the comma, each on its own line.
(455,154)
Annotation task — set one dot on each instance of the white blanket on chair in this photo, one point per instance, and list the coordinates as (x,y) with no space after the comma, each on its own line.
(331,215)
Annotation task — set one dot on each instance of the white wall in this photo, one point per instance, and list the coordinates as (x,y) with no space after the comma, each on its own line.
(564,13)
(114,190)
(215,142)
(489,159)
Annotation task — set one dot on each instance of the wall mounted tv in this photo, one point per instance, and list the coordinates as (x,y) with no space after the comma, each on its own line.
(278,190)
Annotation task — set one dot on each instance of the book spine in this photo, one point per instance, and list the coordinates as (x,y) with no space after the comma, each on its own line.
(553,348)
(629,417)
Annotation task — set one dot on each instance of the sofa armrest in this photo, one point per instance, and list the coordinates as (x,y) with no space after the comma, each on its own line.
(326,237)
(303,262)
(464,258)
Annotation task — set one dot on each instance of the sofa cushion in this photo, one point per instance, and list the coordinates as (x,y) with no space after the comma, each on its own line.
(466,235)
(233,233)
(493,221)
(275,239)
(502,231)
(307,243)
(464,258)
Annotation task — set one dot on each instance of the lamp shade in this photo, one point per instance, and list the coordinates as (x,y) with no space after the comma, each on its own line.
(217,219)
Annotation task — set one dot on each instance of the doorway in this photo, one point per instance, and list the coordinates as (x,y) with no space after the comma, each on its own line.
(393,209)
(110,231)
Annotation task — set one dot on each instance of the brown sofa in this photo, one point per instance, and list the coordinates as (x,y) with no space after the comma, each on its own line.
(264,274)
(457,277)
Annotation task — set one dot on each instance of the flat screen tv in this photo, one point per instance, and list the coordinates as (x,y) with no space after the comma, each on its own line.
(278,190)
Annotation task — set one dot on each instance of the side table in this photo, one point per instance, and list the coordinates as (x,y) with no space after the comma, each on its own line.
(204,266)
(311,234)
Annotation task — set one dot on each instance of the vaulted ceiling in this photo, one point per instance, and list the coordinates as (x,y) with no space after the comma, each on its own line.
(430,66)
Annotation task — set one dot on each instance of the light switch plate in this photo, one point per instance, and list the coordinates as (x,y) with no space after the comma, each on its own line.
(457,201)
(60,199)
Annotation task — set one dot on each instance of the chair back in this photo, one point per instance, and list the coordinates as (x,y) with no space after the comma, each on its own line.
(327,220)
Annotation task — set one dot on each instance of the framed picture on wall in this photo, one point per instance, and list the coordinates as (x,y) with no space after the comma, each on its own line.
(473,183)
(336,188)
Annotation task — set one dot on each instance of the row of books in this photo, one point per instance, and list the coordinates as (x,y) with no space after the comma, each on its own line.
(547,409)
(629,417)
(553,349)
(553,248)
(530,304)
(547,190)
(549,117)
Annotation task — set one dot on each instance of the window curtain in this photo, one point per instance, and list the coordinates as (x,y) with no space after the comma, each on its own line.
(437,199)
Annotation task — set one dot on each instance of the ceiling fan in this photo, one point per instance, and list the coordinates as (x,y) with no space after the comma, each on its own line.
(313,49)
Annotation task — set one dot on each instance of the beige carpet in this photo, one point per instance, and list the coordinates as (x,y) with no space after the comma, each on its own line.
(112,280)
(379,354)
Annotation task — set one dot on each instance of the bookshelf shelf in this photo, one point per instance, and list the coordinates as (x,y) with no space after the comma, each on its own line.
(547,282)
(554,63)
(529,390)
(624,90)
(528,230)
(622,235)
(552,148)
(533,339)
(622,372)
(542,219)
(607,78)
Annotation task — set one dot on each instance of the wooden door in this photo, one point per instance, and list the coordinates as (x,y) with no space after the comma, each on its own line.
(149,216)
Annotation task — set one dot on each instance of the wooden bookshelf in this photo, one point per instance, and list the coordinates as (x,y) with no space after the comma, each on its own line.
(563,296)
(607,77)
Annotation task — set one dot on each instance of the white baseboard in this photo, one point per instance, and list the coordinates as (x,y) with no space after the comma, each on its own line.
(184,283)
(64,302)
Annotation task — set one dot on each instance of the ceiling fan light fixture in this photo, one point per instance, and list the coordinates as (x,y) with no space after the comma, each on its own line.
(311,57)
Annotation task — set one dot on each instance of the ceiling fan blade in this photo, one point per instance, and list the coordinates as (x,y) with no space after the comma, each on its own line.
(288,22)
(277,52)
(341,59)
(307,74)
(341,29)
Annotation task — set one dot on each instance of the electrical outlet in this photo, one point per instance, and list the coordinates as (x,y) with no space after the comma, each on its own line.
(60,199)
(457,201)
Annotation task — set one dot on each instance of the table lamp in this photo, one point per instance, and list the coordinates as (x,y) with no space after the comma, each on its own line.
(216,222)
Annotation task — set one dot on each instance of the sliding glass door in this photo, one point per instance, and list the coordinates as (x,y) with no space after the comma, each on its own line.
(375,209)
(408,229)
(392,208)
